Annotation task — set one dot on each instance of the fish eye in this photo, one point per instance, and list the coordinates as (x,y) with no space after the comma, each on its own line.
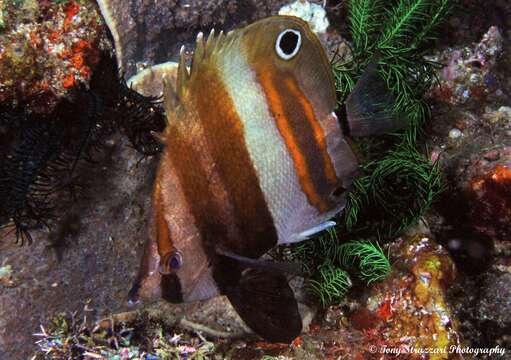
(171,262)
(288,43)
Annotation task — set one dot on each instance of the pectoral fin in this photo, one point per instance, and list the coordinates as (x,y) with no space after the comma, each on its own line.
(262,298)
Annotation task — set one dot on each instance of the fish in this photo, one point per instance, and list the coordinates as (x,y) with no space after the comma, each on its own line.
(254,157)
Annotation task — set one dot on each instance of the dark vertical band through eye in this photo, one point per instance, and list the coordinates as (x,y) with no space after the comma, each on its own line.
(171,288)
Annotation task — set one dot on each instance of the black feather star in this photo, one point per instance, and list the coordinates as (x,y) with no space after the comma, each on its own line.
(39,154)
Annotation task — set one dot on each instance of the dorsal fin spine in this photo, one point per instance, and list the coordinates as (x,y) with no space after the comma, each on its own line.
(218,42)
(199,53)
(182,74)
(170,99)
(210,42)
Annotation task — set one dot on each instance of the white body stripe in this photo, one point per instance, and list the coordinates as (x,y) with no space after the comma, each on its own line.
(288,204)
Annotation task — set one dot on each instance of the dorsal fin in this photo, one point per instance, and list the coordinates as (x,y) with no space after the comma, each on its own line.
(170,98)
(204,51)
(209,48)
(198,55)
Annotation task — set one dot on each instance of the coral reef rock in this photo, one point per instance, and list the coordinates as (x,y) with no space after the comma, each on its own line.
(494,305)
(46,48)
(409,310)
(471,136)
(147,32)
(470,71)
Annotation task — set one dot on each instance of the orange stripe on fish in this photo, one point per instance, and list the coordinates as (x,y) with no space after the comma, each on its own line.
(277,109)
(319,134)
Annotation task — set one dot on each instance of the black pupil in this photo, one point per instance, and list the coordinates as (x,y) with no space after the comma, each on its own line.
(288,42)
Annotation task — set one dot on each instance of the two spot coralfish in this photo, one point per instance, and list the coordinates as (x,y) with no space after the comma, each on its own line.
(254,157)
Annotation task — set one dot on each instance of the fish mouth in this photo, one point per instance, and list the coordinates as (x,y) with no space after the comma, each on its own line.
(133,296)
(147,288)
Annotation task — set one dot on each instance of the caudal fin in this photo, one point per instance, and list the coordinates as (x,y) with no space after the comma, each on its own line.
(370,106)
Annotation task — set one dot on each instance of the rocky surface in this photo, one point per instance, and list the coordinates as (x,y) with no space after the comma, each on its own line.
(470,136)
(94,248)
(495,302)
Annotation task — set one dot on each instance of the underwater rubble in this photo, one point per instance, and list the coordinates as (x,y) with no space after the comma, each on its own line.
(468,74)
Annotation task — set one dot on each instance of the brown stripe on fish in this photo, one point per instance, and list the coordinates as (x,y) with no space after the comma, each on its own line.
(224,134)
(304,140)
(186,159)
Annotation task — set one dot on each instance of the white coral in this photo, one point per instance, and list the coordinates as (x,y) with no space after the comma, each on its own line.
(314,14)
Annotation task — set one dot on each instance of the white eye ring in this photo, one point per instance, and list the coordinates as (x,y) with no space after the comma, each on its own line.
(278,48)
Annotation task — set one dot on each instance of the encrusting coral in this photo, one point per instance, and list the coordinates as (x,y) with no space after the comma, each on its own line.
(47,48)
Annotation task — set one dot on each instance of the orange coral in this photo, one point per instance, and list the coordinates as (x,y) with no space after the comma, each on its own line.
(411,305)
(69,81)
(77,61)
(71,10)
(385,310)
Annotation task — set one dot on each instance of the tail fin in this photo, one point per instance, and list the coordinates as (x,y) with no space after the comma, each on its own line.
(370,106)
